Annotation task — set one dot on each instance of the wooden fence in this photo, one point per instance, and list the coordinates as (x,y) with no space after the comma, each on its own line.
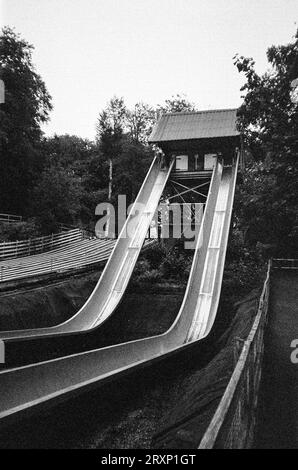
(39,245)
(11,219)
(234,422)
(285,263)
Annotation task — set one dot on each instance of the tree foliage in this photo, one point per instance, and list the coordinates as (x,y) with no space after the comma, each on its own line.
(27,106)
(56,198)
(139,122)
(74,162)
(122,146)
(176,104)
(269,120)
(110,128)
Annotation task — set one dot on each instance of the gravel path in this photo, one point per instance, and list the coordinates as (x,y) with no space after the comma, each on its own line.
(279,393)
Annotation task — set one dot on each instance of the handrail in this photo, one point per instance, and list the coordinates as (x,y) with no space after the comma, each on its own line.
(280,263)
(39,244)
(36,240)
(219,419)
(10,218)
(79,254)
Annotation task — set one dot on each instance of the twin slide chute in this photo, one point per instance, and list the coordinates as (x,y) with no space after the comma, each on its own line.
(33,387)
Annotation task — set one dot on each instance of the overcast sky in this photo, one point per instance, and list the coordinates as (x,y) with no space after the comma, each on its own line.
(144,50)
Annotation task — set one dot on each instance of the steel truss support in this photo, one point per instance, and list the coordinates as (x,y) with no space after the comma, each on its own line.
(187,189)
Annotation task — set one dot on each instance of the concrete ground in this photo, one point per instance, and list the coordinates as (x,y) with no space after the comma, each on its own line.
(278,428)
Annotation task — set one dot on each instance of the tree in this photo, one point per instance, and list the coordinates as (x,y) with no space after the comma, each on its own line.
(269,120)
(27,106)
(131,169)
(110,129)
(139,122)
(56,198)
(68,151)
(81,161)
(176,104)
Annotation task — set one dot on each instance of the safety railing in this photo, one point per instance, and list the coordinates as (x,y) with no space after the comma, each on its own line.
(284,263)
(39,245)
(234,421)
(9,218)
(76,256)
(87,233)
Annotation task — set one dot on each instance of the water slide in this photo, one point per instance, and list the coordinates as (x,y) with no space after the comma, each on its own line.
(117,272)
(32,388)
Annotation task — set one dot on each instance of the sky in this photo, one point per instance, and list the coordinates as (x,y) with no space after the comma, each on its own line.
(87,51)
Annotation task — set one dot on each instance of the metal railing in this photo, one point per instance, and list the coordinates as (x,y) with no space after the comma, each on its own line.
(87,232)
(9,218)
(39,245)
(86,252)
(284,263)
(234,422)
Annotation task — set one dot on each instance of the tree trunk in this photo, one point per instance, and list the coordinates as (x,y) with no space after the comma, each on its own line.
(110,179)
(109,195)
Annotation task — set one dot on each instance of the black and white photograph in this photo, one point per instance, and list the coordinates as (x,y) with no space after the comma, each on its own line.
(148,227)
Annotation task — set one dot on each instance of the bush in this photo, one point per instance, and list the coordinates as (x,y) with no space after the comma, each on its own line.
(175,266)
(242,276)
(244,267)
(144,272)
(18,231)
(152,276)
(162,265)
(155,255)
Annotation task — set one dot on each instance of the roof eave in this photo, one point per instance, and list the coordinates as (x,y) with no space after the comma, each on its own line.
(164,141)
